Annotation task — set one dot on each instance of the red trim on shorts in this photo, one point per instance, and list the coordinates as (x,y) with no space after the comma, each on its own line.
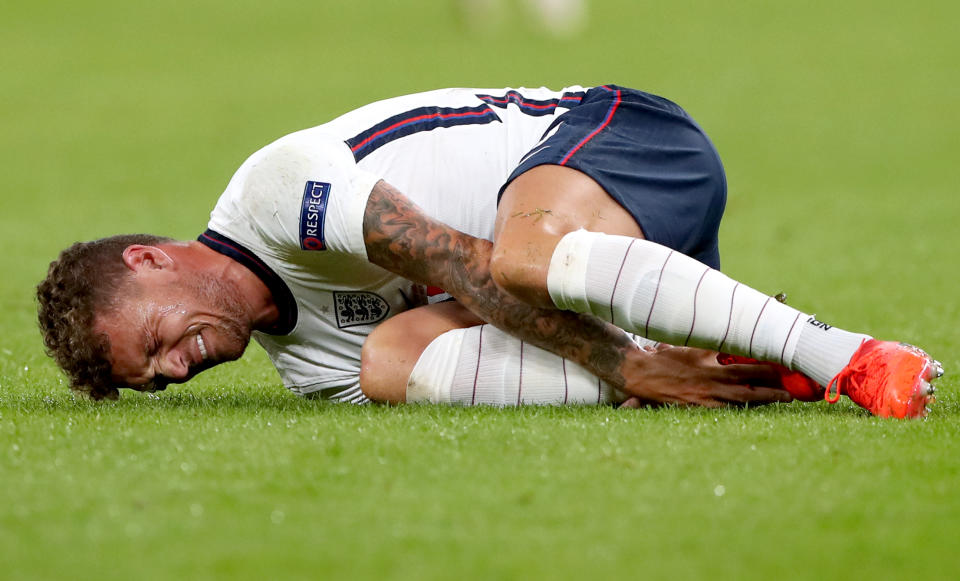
(606,121)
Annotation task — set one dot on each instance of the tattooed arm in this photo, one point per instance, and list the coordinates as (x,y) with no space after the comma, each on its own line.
(402,239)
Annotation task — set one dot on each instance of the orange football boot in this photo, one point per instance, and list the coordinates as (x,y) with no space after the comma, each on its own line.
(888,379)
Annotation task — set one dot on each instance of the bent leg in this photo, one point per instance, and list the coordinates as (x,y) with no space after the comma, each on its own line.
(541,257)
(624,251)
(553,249)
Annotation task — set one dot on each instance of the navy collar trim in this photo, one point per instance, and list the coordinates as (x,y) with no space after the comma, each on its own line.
(282,296)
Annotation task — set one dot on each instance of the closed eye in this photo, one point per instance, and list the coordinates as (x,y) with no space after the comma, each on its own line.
(151,348)
(152,345)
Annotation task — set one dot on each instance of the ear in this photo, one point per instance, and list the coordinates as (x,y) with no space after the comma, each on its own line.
(139,257)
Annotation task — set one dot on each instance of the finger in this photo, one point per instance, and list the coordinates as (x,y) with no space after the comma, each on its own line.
(750,374)
(631,403)
(742,394)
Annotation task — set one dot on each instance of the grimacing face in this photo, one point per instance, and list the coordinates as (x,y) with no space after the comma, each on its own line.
(168,331)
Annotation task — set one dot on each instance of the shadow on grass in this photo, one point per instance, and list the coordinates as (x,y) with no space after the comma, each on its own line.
(257,399)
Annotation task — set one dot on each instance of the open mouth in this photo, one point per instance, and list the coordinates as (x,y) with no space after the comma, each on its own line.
(203,348)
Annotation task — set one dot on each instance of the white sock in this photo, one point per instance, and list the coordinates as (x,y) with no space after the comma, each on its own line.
(824,350)
(483,365)
(649,289)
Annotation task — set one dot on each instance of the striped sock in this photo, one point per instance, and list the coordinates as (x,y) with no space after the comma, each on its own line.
(649,289)
(483,365)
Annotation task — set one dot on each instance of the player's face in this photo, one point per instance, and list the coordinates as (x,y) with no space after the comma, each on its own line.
(167,333)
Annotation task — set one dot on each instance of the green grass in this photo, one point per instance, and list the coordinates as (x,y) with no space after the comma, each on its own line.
(243,485)
(838,128)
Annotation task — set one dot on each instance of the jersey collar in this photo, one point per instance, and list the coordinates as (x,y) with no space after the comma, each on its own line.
(282,296)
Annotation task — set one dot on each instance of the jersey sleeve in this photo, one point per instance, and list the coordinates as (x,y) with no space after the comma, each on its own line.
(298,193)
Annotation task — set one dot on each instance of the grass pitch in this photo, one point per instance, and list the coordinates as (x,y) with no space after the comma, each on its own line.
(837,125)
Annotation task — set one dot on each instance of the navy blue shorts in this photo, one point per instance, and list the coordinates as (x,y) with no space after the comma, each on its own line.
(648,155)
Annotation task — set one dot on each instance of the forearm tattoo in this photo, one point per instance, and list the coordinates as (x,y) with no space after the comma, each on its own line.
(402,239)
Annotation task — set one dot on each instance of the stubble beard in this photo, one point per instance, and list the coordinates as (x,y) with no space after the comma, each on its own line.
(233,327)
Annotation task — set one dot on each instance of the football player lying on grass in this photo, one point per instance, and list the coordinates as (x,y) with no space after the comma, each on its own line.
(562,218)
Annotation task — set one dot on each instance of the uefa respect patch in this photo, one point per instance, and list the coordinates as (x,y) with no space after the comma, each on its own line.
(312,212)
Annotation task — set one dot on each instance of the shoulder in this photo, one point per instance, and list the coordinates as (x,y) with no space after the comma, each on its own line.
(296,156)
(303,191)
(279,171)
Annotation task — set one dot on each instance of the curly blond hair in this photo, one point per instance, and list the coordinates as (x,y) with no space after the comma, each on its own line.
(85,280)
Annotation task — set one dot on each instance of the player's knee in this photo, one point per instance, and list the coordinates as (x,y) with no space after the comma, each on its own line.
(369,370)
(379,379)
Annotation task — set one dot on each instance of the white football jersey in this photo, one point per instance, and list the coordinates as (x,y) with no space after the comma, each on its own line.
(293,213)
